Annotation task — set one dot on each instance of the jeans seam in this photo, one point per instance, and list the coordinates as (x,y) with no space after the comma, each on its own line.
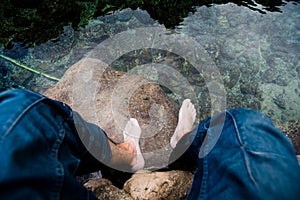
(246,160)
(204,129)
(20,116)
(59,169)
(204,178)
(66,123)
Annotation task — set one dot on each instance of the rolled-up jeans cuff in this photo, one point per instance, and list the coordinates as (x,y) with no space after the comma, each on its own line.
(96,144)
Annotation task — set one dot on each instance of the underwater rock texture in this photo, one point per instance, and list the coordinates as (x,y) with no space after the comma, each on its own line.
(292,130)
(257,55)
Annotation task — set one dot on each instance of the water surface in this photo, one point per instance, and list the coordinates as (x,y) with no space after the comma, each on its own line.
(257,54)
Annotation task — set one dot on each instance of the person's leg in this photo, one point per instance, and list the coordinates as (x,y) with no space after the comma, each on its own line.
(186,119)
(44,145)
(40,152)
(125,156)
(250,160)
(132,134)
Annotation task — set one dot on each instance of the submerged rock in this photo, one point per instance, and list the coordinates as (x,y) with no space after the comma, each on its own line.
(292,130)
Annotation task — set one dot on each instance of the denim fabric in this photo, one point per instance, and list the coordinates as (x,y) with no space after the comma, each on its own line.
(96,146)
(41,153)
(251,159)
(40,150)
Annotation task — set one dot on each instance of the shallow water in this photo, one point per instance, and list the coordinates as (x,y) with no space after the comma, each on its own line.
(257,56)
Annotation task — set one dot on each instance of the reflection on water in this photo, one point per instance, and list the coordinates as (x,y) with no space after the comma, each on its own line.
(256,54)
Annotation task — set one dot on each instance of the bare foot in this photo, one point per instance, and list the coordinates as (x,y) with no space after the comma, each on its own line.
(132,133)
(186,119)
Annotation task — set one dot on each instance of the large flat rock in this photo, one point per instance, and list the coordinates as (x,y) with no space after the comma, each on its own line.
(108,98)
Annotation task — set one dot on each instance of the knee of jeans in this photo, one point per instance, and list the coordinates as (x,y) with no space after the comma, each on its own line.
(248,116)
(13,104)
(18,95)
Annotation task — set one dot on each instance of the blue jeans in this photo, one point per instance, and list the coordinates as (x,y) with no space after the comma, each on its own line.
(41,151)
(250,160)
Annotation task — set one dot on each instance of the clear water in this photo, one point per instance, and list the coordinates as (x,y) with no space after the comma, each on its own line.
(257,55)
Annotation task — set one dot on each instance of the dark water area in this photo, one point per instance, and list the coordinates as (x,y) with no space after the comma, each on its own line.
(29,23)
(255,45)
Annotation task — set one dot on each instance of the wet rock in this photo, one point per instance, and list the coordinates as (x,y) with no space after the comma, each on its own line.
(278,43)
(143,16)
(159,185)
(230,73)
(125,15)
(281,101)
(223,23)
(109,98)
(103,189)
(22,77)
(272,76)
(110,19)
(3,71)
(249,88)
(231,48)
(56,48)
(16,50)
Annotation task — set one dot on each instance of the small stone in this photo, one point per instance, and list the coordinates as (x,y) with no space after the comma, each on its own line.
(125,15)
(249,88)
(3,71)
(159,185)
(110,19)
(280,101)
(103,189)
(22,77)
